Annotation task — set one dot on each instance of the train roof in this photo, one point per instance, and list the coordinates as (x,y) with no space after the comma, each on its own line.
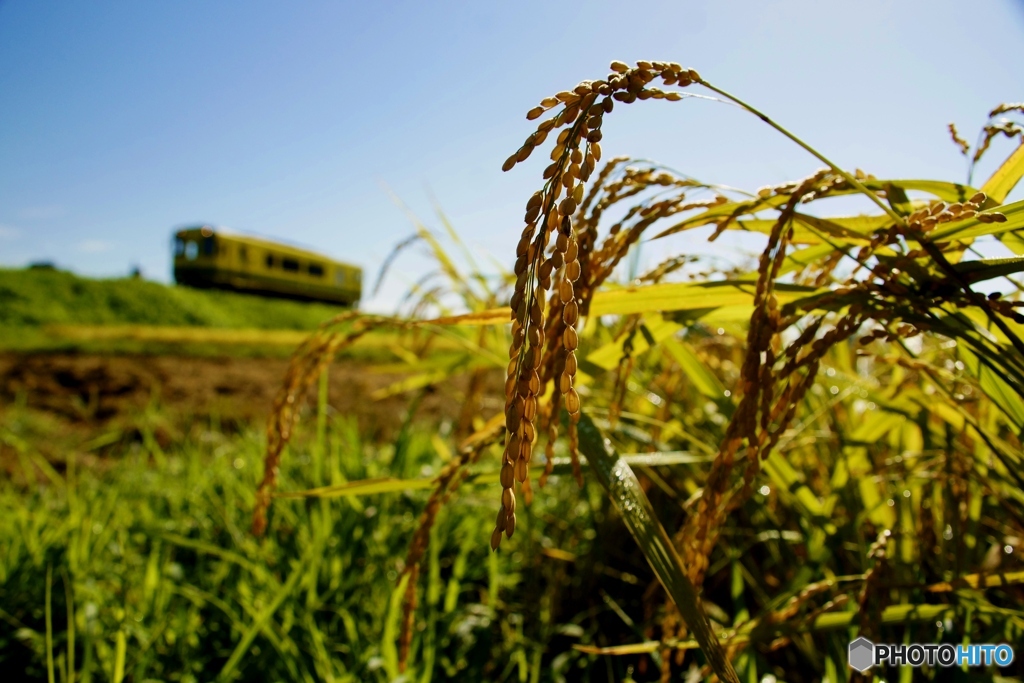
(263,242)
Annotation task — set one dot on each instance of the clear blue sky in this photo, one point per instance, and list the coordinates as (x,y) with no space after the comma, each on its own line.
(122,120)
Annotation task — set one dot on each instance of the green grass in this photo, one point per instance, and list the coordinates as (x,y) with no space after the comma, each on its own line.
(151,570)
(33,298)
(52,310)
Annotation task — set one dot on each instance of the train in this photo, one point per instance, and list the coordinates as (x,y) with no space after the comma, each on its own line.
(209,257)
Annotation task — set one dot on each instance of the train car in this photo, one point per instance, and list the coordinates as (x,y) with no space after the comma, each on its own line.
(212,258)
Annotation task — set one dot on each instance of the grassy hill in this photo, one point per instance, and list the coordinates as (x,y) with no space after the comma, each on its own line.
(30,298)
(56,310)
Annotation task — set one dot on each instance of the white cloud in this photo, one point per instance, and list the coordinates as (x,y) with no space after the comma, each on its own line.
(94,246)
(9,232)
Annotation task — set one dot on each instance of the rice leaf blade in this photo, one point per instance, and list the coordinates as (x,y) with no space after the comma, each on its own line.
(624,490)
(703,379)
(948,192)
(986,269)
(1006,176)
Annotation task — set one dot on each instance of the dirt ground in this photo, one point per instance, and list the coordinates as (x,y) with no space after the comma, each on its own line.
(90,390)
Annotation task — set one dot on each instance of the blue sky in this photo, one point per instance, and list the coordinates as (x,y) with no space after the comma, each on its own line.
(121,120)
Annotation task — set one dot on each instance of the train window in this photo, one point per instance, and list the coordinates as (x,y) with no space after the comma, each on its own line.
(209,246)
(191,250)
(290,264)
(243,254)
(270,260)
(179,247)
(316,270)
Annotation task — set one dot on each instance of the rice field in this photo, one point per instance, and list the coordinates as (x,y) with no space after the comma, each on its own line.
(681,473)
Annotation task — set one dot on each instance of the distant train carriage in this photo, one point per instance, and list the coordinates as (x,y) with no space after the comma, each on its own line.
(208,258)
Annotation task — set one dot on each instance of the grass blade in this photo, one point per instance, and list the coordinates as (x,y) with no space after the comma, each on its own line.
(948,192)
(1005,177)
(120,654)
(49,627)
(363,487)
(298,571)
(70,598)
(830,621)
(978,581)
(381,485)
(671,296)
(702,378)
(622,486)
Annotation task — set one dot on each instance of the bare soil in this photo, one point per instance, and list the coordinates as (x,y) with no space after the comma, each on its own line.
(89,390)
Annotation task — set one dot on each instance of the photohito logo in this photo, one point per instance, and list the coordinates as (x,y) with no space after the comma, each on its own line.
(863,654)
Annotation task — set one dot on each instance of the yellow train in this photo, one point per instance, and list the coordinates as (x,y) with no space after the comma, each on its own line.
(205,257)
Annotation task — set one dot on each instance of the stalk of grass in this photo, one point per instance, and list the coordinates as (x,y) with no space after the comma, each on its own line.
(260,622)
(836,169)
(623,489)
(49,626)
(392,627)
(70,600)
(120,655)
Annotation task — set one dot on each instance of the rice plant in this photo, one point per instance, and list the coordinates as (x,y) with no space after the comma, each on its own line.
(832,435)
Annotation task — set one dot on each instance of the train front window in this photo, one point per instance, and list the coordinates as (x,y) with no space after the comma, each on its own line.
(316,270)
(179,246)
(191,250)
(290,265)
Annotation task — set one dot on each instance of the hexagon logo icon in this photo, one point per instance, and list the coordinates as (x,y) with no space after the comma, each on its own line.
(862,654)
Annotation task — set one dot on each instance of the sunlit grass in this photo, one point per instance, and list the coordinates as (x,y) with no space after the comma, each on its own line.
(153,571)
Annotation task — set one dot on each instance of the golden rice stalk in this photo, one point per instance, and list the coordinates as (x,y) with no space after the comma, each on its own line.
(774,378)
(990,131)
(756,390)
(768,400)
(760,423)
(549,214)
(308,361)
(624,369)
(1007,107)
(957,140)
(994,128)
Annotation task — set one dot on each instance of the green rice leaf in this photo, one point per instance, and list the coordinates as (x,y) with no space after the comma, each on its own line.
(856,228)
(813,230)
(1006,176)
(949,192)
(986,269)
(725,212)
(363,487)
(659,330)
(804,257)
(662,297)
(703,379)
(995,387)
(686,296)
(629,498)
